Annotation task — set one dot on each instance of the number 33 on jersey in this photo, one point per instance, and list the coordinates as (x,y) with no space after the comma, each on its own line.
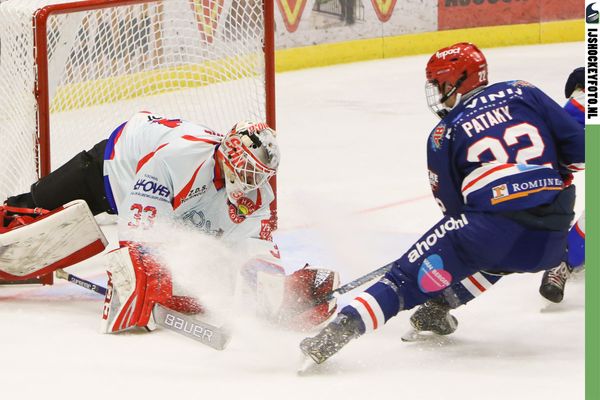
(502,147)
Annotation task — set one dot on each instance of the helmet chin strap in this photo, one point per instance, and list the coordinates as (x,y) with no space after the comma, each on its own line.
(446,96)
(446,110)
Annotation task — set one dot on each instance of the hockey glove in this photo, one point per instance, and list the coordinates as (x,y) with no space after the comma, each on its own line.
(305,302)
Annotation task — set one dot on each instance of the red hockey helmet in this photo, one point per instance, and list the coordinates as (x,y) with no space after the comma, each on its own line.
(457,69)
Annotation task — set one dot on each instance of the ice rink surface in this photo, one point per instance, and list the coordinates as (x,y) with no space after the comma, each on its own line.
(353,194)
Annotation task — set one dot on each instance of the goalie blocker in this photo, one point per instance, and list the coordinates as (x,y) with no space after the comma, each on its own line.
(35,242)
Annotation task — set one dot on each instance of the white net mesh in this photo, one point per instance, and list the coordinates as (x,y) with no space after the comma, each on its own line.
(200,60)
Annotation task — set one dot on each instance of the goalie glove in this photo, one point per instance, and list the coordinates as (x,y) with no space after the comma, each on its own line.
(136,282)
(300,300)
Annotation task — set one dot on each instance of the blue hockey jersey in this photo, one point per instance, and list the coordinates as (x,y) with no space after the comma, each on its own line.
(575,106)
(505,148)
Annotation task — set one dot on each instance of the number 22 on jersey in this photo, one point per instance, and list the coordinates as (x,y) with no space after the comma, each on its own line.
(498,148)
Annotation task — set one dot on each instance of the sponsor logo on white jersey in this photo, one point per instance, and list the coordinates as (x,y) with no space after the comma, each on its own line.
(199,191)
(199,220)
(153,187)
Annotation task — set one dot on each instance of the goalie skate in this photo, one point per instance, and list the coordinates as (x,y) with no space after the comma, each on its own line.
(58,239)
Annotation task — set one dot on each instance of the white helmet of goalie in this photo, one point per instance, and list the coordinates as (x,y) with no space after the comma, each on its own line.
(250,157)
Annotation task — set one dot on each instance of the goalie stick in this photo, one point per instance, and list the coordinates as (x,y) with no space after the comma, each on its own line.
(210,335)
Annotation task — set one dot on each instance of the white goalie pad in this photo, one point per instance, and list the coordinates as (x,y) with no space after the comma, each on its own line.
(58,239)
(121,301)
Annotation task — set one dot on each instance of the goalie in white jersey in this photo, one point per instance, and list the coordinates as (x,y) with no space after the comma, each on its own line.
(155,169)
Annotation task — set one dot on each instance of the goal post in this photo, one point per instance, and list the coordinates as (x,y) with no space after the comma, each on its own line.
(70,72)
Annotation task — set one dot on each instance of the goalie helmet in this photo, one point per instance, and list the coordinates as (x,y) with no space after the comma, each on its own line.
(458,69)
(250,156)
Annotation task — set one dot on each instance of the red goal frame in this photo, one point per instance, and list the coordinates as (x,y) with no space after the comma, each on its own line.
(40,20)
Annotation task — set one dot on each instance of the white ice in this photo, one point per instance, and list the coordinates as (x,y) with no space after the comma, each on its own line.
(353,194)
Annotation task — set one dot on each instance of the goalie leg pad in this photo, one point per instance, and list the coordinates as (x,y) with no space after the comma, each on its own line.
(124,293)
(137,281)
(58,239)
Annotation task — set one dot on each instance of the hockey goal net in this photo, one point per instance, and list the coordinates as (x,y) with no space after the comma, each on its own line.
(70,72)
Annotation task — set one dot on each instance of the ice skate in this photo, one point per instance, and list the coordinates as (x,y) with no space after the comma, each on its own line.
(331,339)
(554,281)
(433,316)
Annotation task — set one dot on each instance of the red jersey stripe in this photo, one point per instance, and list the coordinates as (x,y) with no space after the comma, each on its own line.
(147,157)
(178,199)
(577,105)
(197,139)
(578,229)
(112,154)
(491,171)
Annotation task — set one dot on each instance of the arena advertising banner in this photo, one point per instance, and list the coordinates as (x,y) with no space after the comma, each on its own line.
(592,292)
(310,22)
(456,14)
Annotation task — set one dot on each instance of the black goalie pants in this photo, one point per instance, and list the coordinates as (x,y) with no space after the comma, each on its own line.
(81,177)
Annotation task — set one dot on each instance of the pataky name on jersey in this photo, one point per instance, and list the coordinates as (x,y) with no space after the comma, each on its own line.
(486,120)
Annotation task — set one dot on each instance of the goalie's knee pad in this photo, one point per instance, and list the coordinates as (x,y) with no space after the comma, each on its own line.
(81,177)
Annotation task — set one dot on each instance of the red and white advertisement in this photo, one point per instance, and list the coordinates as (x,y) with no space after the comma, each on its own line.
(291,11)
(456,14)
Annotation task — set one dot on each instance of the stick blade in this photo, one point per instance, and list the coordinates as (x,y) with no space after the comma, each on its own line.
(205,333)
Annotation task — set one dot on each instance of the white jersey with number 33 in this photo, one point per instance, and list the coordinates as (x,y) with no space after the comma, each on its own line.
(158,169)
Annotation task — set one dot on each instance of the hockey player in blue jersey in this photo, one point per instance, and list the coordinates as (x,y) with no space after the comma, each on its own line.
(496,162)
(434,316)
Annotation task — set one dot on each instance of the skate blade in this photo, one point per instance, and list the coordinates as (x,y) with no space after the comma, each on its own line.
(414,336)
(307,365)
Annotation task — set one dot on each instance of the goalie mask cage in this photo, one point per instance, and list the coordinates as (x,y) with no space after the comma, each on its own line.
(70,72)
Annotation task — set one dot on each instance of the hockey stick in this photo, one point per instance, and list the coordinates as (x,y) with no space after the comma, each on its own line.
(379,272)
(62,274)
(215,337)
